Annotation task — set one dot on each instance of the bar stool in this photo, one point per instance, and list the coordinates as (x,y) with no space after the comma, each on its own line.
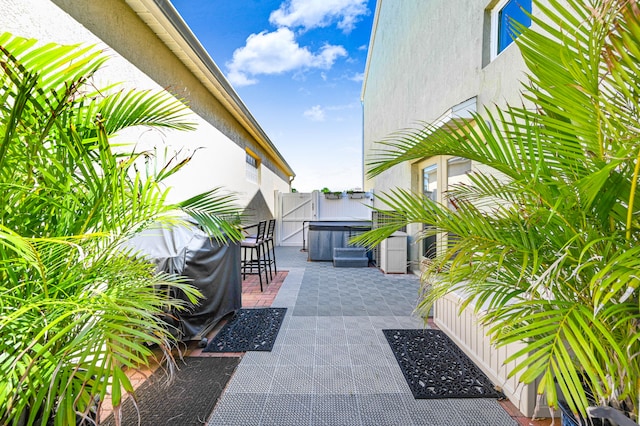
(253,254)
(270,247)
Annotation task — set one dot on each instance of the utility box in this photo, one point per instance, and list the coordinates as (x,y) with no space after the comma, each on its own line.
(393,254)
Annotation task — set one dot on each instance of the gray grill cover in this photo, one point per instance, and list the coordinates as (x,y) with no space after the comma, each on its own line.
(213,269)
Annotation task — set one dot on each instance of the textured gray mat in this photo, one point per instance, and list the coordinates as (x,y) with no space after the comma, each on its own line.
(435,367)
(188,400)
(249,330)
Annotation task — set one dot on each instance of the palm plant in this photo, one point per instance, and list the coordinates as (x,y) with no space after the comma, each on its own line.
(76,309)
(549,247)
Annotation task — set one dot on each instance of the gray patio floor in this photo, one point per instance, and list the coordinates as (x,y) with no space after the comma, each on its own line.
(331,364)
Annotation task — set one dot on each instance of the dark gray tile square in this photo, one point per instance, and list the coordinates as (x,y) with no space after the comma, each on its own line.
(383,409)
(285,410)
(238,410)
(335,410)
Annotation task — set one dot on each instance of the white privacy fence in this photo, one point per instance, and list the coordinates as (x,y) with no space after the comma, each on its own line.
(295,210)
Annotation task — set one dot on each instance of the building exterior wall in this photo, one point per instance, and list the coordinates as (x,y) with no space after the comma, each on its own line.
(139,59)
(425,58)
(429,56)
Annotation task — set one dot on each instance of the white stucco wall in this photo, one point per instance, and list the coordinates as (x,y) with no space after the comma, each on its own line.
(219,160)
(427,57)
(216,162)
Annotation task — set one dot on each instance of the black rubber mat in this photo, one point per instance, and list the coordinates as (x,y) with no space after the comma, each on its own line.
(435,367)
(188,400)
(249,330)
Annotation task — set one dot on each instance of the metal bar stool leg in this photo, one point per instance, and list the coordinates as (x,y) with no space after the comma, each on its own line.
(256,257)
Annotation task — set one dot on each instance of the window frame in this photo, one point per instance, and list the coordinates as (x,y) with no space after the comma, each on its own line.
(441,165)
(430,245)
(252,171)
(496,26)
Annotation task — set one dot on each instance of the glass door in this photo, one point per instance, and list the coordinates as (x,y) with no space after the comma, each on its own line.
(430,189)
(436,175)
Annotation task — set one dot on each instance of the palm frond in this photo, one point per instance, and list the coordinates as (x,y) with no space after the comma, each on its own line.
(545,244)
(76,309)
(217,213)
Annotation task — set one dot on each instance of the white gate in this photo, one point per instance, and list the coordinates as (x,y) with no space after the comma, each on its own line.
(294,210)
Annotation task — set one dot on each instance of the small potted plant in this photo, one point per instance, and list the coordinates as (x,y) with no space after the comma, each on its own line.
(333,195)
(356,195)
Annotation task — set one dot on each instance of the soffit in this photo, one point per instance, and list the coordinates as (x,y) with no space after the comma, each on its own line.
(372,40)
(162,18)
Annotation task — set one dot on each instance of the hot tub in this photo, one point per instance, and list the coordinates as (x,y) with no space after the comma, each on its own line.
(324,236)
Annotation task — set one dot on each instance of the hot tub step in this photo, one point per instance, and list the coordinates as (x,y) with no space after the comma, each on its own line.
(349,252)
(350,257)
(350,262)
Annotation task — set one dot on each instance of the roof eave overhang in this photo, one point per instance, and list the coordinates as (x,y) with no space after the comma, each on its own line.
(163,19)
(372,40)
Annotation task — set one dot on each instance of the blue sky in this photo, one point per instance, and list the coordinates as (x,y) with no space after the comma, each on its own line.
(298,67)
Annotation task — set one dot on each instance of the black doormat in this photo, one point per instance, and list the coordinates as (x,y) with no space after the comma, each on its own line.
(435,367)
(249,330)
(188,400)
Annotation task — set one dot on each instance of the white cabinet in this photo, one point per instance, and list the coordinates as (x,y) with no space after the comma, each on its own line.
(393,254)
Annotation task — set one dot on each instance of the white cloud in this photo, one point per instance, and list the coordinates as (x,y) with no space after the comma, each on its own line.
(319,13)
(274,53)
(357,77)
(237,78)
(315,113)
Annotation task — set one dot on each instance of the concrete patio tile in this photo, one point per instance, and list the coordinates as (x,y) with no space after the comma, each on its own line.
(331,364)
(300,336)
(374,379)
(304,323)
(330,323)
(335,410)
(301,355)
(331,336)
(332,355)
(333,380)
(287,410)
(364,336)
(292,380)
(383,409)
(238,410)
(368,355)
(251,379)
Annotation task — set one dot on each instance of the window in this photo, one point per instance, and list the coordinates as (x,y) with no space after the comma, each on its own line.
(253,167)
(437,174)
(502,28)
(430,190)
(457,173)
(458,170)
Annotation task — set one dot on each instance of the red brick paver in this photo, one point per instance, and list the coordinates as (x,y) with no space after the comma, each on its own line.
(252,297)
